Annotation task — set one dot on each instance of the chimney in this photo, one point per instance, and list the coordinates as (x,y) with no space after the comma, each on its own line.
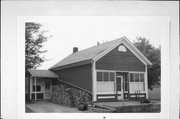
(75,49)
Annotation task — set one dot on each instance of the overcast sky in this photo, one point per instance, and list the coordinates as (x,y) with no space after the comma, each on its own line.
(86,31)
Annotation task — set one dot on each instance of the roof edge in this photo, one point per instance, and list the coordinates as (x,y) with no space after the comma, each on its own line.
(89,61)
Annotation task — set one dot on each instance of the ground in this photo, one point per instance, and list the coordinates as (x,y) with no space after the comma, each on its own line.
(102,107)
(49,107)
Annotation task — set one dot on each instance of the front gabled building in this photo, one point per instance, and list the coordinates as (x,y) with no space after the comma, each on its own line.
(110,71)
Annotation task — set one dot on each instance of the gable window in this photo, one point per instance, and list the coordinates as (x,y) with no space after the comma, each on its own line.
(122,48)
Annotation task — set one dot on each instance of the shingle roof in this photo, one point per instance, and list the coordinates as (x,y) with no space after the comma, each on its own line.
(84,55)
(42,73)
(87,55)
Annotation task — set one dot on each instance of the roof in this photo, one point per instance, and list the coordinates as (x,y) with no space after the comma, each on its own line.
(87,55)
(42,73)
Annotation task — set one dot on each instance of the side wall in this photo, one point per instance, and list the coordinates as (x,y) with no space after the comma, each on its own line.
(116,60)
(80,76)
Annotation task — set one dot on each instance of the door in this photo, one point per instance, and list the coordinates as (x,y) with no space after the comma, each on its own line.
(119,87)
(47,91)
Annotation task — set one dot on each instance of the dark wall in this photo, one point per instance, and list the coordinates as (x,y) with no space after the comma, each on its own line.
(116,60)
(80,76)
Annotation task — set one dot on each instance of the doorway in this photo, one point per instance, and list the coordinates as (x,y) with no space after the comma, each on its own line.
(119,86)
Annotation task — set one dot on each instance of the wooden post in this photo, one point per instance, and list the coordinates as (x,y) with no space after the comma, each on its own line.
(146,82)
(30,84)
(35,90)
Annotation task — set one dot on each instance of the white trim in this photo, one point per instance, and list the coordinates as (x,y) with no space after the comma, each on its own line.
(35,96)
(105,97)
(146,83)
(94,82)
(106,93)
(139,53)
(132,92)
(132,50)
(99,70)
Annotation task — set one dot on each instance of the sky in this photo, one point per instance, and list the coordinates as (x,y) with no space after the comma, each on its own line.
(85,31)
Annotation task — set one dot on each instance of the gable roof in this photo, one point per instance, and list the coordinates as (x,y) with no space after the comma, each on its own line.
(93,53)
(42,73)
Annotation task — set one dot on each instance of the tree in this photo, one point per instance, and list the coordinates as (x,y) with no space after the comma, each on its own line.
(152,54)
(34,39)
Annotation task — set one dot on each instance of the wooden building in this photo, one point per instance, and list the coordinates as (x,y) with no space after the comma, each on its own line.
(111,71)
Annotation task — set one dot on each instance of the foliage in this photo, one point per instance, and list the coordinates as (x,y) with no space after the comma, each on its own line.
(34,39)
(154,55)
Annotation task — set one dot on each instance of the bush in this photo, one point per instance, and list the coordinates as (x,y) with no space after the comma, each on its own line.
(69,96)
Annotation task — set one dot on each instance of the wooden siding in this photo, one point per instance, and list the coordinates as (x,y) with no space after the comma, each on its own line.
(116,60)
(80,76)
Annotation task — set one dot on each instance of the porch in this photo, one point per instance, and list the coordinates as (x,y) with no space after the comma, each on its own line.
(120,85)
(39,84)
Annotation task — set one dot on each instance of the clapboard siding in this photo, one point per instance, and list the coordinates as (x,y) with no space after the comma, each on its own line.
(115,60)
(80,76)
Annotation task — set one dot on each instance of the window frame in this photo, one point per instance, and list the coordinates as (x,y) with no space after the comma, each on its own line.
(109,76)
(139,77)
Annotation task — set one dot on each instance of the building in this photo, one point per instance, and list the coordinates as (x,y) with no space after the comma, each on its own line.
(110,71)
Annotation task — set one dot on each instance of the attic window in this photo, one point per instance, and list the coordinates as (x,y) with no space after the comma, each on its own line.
(122,48)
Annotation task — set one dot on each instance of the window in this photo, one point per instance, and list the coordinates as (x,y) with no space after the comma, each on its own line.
(38,88)
(105,82)
(137,82)
(141,77)
(131,77)
(47,85)
(105,76)
(99,76)
(136,77)
(112,76)
(122,48)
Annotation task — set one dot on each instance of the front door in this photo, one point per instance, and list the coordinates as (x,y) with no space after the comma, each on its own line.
(119,87)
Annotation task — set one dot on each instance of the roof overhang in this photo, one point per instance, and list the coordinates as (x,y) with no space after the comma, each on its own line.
(42,73)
